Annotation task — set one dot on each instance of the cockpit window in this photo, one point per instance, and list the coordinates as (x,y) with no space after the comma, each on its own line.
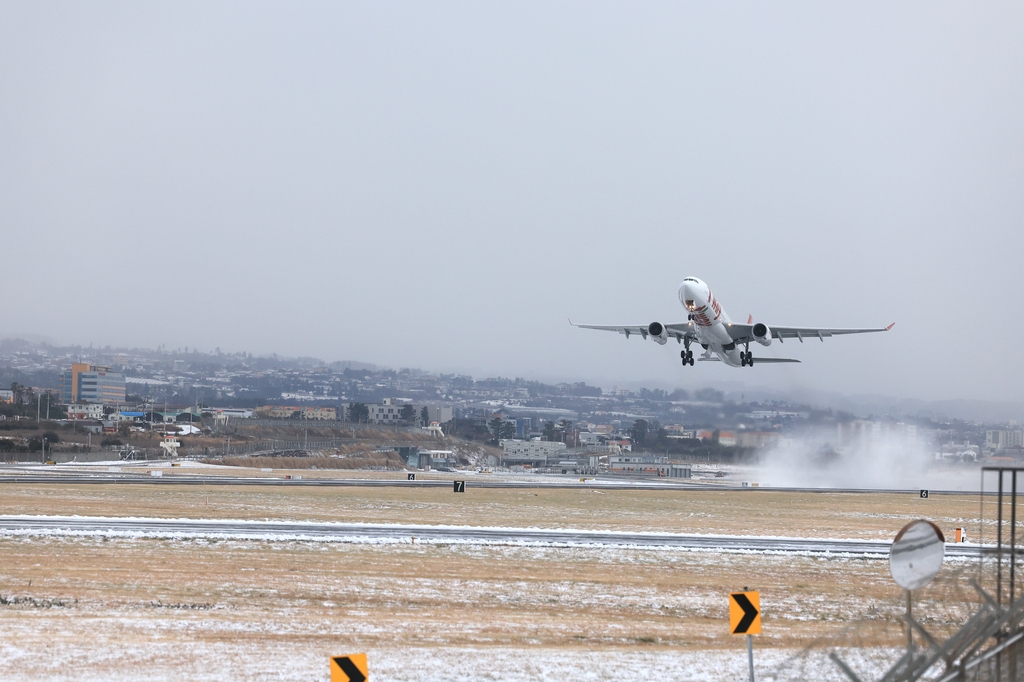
(690,305)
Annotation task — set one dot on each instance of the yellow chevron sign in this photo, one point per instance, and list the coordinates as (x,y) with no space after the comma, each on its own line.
(745,613)
(350,668)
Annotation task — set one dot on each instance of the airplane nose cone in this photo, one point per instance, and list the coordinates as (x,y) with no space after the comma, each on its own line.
(691,296)
(684,292)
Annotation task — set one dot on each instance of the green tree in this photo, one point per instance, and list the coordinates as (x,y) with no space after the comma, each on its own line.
(495,427)
(425,415)
(507,431)
(408,413)
(52,409)
(549,430)
(709,395)
(564,429)
(358,412)
(638,434)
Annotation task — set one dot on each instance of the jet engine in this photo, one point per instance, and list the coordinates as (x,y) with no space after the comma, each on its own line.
(762,334)
(657,332)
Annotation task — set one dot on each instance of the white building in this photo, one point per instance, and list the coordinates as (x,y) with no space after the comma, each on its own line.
(390,412)
(1000,440)
(532,452)
(531,448)
(85,411)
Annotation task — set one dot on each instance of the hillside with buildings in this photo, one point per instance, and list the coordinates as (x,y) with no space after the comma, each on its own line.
(238,405)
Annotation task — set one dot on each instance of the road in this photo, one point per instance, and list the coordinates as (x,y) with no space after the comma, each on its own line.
(185,528)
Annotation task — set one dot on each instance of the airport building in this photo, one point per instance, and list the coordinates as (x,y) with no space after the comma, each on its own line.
(6,395)
(533,453)
(652,465)
(85,383)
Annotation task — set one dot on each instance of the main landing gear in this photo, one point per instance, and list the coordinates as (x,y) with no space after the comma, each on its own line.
(686,355)
(746,359)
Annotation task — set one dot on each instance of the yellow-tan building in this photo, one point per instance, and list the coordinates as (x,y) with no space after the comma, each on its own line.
(289,412)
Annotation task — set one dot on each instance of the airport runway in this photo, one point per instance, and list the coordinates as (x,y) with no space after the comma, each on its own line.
(349,532)
(172,477)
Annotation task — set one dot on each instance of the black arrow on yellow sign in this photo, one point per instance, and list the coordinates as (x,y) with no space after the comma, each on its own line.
(346,665)
(745,620)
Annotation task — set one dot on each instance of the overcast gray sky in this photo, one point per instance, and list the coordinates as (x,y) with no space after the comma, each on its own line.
(440,185)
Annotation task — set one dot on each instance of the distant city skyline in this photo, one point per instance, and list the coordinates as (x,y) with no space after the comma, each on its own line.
(878,405)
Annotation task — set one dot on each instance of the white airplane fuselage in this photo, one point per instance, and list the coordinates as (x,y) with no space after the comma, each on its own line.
(709,320)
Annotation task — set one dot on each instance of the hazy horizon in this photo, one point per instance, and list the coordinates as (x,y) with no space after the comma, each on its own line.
(441,187)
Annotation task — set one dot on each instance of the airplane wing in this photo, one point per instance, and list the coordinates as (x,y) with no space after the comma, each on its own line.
(678,331)
(743,333)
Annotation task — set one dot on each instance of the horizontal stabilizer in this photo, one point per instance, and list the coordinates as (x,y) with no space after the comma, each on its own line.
(761,361)
(708,360)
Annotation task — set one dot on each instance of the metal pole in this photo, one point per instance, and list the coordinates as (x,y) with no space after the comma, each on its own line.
(999,542)
(981,528)
(1013,532)
(1013,562)
(910,630)
(750,655)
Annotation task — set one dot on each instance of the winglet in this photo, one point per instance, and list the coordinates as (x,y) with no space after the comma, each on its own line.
(750,319)
(570,321)
(890,326)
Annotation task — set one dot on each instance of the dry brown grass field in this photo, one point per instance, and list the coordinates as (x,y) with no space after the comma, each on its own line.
(200,608)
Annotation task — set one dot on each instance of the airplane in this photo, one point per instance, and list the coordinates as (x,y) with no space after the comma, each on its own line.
(709,325)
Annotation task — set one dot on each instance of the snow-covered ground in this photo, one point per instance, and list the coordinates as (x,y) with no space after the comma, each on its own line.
(225,661)
(107,608)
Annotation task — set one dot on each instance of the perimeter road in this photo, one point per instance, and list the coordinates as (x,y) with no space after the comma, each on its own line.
(356,532)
